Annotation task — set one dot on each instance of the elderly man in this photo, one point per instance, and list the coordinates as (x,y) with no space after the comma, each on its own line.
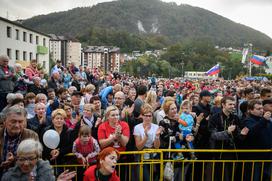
(55,82)
(12,134)
(7,78)
(119,99)
(36,87)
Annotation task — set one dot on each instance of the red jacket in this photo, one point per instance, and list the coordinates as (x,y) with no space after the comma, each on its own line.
(89,175)
(31,72)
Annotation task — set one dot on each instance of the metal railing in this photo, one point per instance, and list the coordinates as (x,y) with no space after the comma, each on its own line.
(149,165)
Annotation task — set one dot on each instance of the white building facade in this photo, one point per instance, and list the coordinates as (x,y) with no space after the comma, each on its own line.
(198,75)
(65,49)
(23,44)
(55,49)
(74,52)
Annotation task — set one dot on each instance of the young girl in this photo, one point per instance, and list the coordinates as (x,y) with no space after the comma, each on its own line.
(85,147)
(186,123)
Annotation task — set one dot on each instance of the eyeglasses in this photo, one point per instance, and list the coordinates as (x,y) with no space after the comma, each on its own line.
(118,98)
(148,115)
(22,159)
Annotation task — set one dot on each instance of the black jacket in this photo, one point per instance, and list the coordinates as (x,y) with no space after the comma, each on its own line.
(53,84)
(203,135)
(35,125)
(65,145)
(36,90)
(78,125)
(171,128)
(259,136)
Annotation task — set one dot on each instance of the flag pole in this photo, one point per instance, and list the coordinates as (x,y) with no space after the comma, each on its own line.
(250,67)
(250,63)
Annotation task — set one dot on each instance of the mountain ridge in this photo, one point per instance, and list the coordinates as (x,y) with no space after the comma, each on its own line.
(151,17)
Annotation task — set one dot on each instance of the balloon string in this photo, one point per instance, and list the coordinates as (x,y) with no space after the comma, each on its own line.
(56,168)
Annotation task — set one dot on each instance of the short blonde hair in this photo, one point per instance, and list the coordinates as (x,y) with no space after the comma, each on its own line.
(217,100)
(117,87)
(89,105)
(166,106)
(146,108)
(110,109)
(185,103)
(166,99)
(90,88)
(59,112)
(39,96)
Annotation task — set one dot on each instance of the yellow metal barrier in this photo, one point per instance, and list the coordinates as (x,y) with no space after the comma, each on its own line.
(149,165)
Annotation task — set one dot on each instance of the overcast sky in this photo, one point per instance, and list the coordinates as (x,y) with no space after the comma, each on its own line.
(253,13)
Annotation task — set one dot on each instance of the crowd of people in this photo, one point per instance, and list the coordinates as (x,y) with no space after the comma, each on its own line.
(92,111)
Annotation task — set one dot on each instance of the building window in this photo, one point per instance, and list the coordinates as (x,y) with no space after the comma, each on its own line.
(37,57)
(24,55)
(24,36)
(37,40)
(17,55)
(44,42)
(30,38)
(17,34)
(8,32)
(9,52)
(30,55)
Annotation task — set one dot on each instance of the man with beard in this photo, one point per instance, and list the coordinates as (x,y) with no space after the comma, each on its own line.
(202,134)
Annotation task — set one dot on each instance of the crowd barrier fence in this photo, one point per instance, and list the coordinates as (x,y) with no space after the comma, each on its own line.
(149,165)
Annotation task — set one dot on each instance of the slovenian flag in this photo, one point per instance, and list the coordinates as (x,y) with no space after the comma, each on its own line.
(258,60)
(214,70)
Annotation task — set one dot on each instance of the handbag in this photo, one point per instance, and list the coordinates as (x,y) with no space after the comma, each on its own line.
(168,173)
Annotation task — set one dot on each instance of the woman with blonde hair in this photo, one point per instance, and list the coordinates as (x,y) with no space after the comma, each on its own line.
(169,123)
(88,93)
(151,99)
(65,146)
(217,105)
(160,114)
(113,132)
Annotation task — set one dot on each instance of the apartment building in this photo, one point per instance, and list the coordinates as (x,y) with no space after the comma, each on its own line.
(107,58)
(74,52)
(23,44)
(65,49)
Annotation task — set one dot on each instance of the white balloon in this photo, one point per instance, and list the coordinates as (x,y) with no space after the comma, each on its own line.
(51,139)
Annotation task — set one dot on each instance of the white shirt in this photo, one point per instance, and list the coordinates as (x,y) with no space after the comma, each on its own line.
(139,131)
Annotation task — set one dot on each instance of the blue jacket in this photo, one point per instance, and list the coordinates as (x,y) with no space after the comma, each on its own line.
(103,96)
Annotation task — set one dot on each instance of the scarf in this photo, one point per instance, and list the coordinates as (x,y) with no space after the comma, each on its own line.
(89,122)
